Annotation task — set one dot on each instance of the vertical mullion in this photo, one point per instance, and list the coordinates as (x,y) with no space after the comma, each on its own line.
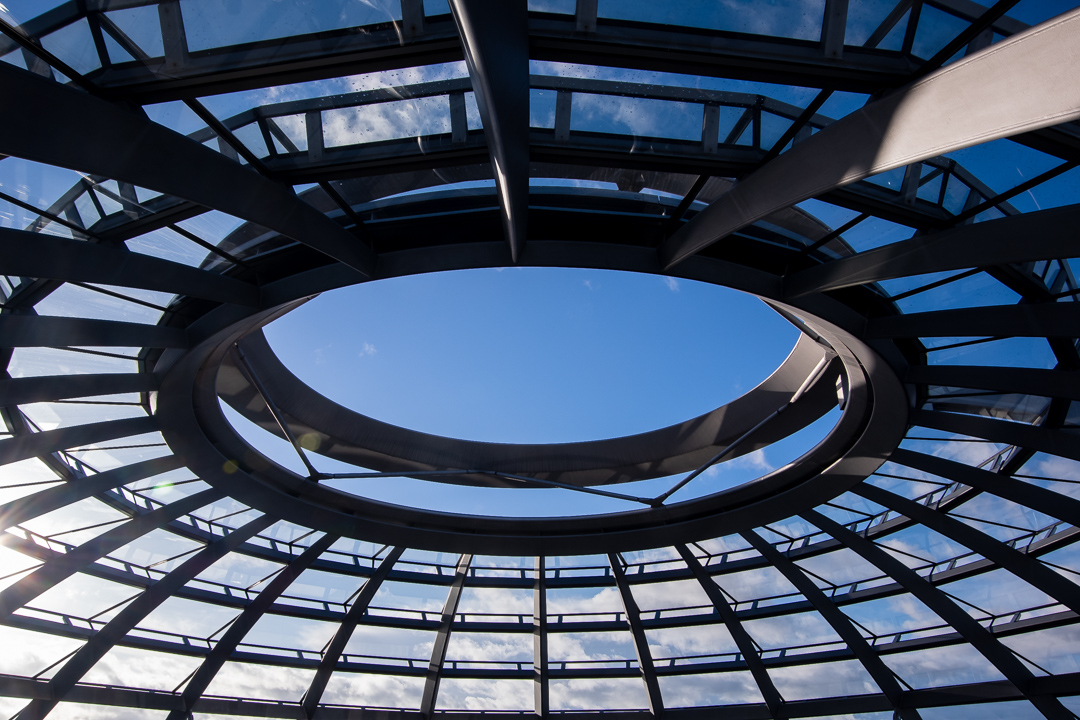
(833,28)
(637,632)
(738,633)
(442,639)
(541,674)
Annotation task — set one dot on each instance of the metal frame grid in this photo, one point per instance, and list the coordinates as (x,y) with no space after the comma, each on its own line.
(922,525)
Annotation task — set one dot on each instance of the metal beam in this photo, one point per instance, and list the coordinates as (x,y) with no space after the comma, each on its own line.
(928,118)
(687,445)
(1049,319)
(1028,381)
(1027,494)
(46,331)
(41,256)
(840,623)
(54,498)
(243,623)
(669,49)
(64,566)
(1055,441)
(637,633)
(654,47)
(541,672)
(1019,564)
(133,149)
(971,693)
(332,653)
(134,612)
(49,388)
(495,36)
(22,447)
(833,28)
(980,638)
(1047,234)
(742,638)
(442,639)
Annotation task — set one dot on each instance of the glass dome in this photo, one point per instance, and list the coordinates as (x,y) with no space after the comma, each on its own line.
(897,179)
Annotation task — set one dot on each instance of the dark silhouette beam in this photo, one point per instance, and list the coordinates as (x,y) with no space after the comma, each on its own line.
(1026,381)
(495,37)
(333,651)
(49,388)
(22,447)
(243,623)
(46,331)
(637,633)
(1020,84)
(442,639)
(41,256)
(738,633)
(78,131)
(1055,441)
(1023,320)
(1047,234)
(541,672)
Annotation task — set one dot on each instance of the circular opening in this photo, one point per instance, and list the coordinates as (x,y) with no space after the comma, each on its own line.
(532,355)
(360,474)
(578,356)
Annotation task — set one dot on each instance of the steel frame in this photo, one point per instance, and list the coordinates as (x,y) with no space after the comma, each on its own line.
(354,235)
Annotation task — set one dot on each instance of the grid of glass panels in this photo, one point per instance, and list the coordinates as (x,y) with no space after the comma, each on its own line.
(132,588)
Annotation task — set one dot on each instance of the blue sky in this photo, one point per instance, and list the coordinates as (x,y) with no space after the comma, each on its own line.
(533,355)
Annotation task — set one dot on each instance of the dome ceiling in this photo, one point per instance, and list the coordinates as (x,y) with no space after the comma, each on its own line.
(897,180)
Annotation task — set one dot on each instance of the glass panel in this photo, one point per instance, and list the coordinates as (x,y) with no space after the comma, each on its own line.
(1019,710)
(597,694)
(484,694)
(785,18)
(821,680)
(74,45)
(864,17)
(975,291)
(274,634)
(709,689)
(134,667)
(378,691)
(386,121)
(1052,650)
(213,23)
(636,116)
(1014,352)
(939,667)
(262,682)
(143,26)
(875,232)
(936,29)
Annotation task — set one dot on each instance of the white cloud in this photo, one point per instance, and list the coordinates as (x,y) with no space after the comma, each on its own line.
(755,461)
(386,121)
(589,694)
(367,349)
(462,694)
(672,284)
